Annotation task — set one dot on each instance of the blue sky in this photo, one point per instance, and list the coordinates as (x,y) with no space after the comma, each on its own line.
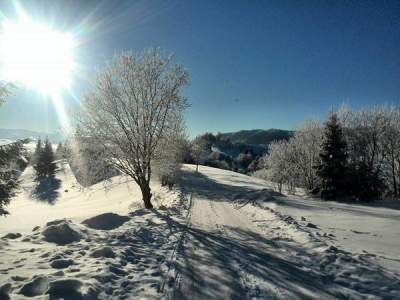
(253,64)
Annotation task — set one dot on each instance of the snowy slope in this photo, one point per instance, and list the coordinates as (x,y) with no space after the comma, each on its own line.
(121,250)
(37,204)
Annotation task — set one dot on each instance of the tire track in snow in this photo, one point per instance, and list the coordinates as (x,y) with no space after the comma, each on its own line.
(206,266)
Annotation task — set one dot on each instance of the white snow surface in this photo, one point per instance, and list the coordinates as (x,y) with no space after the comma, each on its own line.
(244,243)
(217,235)
(53,254)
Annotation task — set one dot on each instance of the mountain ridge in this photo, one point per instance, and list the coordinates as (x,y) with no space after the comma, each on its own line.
(257,136)
(17,134)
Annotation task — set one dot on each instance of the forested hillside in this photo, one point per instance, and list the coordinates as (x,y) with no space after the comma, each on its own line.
(257,136)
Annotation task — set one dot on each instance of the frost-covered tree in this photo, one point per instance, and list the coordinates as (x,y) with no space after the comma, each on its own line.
(364,132)
(169,154)
(278,164)
(306,144)
(133,103)
(372,140)
(391,148)
(88,161)
(199,150)
(372,156)
(293,162)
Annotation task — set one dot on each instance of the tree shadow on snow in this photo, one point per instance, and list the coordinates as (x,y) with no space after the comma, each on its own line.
(46,189)
(248,258)
(290,270)
(244,193)
(206,187)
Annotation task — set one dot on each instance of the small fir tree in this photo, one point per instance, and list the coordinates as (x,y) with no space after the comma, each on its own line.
(59,151)
(45,165)
(38,150)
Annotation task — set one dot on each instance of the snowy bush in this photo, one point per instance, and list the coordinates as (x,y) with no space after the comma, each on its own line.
(88,162)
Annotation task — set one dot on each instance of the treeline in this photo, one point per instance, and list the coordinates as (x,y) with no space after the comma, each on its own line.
(353,155)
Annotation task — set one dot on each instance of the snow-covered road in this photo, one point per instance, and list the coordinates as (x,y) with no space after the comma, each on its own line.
(233,249)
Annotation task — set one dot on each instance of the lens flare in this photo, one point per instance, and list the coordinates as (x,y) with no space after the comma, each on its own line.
(36,56)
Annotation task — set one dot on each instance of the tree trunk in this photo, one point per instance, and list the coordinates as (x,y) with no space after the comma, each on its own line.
(197,167)
(280,187)
(146,196)
(394,176)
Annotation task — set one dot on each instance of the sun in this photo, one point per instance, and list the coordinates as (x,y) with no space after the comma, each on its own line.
(36,56)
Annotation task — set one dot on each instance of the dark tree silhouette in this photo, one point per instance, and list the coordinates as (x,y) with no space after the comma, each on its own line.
(45,165)
(8,173)
(333,167)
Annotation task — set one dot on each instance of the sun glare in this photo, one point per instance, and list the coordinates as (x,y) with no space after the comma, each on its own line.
(36,56)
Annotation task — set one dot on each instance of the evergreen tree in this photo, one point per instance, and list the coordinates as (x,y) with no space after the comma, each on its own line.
(363,183)
(37,152)
(59,151)
(8,175)
(333,167)
(45,165)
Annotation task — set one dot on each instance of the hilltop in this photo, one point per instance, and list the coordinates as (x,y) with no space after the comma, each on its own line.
(257,136)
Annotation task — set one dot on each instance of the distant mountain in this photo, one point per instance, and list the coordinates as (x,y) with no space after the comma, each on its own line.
(257,136)
(17,134)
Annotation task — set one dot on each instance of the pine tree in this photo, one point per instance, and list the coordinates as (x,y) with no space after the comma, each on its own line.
(333,167)
(8,176)
(59,151)
(37,152)
(45,165)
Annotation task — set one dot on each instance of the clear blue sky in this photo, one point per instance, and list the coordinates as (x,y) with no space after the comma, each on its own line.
(253,64)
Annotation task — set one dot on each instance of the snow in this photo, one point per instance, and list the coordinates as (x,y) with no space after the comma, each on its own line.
(242,243)
(106,221)
(218,235)
(62,232)
(97,243)
(66,198)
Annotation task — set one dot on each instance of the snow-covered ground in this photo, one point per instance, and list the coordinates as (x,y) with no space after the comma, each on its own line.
(63,197)
(370,229)
(218,235)
(243,242)
(119,251)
